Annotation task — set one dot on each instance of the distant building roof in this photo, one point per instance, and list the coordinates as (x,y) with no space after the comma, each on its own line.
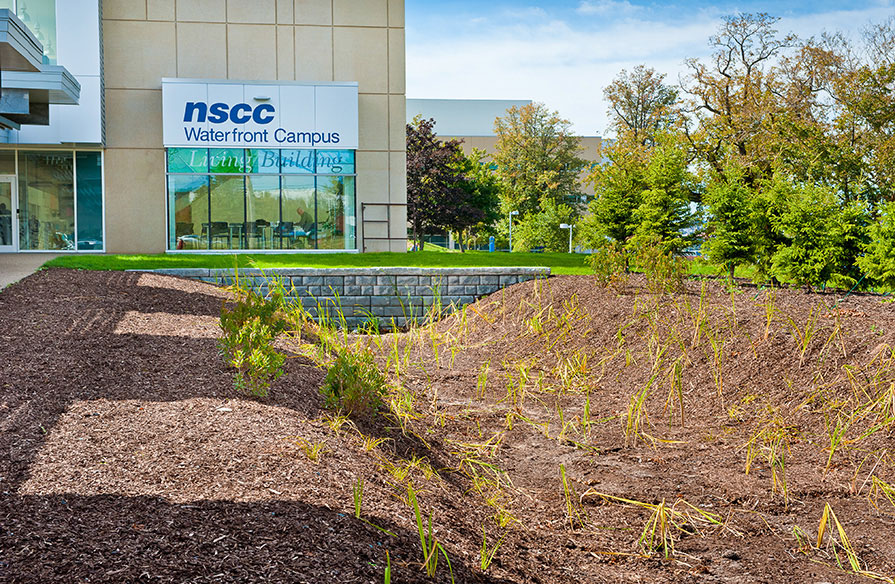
(462,117)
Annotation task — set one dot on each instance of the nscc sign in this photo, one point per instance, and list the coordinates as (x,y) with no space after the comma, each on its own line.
(199,113)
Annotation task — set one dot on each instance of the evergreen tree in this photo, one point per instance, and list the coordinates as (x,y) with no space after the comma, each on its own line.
(819,237)
(729,228)
(618,186)
(664,212)
(878,261)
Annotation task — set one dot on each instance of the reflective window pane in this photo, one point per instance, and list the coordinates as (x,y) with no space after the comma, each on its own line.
(262,161)
(226,160)
(335,205)
(7,162)
(260,198)
(350,225)
(5,214)
(227,212)
(188,160)
(188,209)
(88,170)
(335,161)
(40,18)
(297,228)
(262,211)
(297,161)
(46,201)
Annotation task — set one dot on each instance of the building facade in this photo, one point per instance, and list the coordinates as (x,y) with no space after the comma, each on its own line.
(216,125)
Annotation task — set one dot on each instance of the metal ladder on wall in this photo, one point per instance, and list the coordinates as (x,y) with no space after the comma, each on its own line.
(368,219)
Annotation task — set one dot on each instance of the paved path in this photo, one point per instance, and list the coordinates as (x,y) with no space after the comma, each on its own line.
(15,266)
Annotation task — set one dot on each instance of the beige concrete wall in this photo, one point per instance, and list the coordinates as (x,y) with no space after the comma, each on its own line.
(590,149)
(271,40)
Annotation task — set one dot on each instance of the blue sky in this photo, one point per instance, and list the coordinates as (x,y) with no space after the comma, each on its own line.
(563,52)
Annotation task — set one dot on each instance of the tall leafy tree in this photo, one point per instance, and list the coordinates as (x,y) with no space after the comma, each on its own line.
(736,96)
(643,194)
(542,228)
(819,237)
(618,186)
(640,104)
(437,194)
(445,188)
(482,204)
(536,157)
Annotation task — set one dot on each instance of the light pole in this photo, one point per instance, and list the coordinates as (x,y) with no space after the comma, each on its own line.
(511,228)
(569,227)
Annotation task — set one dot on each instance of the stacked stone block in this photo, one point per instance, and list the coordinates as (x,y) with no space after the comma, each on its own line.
(390,296)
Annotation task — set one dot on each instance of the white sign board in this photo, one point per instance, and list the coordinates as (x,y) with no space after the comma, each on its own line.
(220,114)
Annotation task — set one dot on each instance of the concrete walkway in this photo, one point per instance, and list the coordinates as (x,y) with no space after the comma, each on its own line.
(15,266)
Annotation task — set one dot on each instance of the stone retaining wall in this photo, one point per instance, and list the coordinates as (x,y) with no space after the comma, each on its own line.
(362,294)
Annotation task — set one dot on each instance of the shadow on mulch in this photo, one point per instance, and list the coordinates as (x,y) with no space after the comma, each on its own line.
(108,538)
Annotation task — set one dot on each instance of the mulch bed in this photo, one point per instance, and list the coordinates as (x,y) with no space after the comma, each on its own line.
(127,456)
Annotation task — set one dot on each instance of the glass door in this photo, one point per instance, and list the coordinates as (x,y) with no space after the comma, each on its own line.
(8,219)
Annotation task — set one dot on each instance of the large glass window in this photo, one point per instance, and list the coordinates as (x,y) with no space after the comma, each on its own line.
(227,211)
(59,206)
(46,201)
(188,219)
(262,211)
(335,198)
(299,224)
(335,162)
(263,161)
(89,173)
(188,160)
(298,161)
(226,160)
(233,198)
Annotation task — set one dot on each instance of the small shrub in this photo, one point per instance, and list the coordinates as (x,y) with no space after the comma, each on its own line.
(354,383)
(664,271)
(250,325)
(610,264)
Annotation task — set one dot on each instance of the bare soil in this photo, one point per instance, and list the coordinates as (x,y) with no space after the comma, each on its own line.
(127,456)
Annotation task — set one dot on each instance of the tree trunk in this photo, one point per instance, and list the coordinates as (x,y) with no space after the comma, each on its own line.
(417,236)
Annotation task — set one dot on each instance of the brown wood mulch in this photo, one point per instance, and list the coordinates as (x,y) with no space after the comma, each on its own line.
(127,456)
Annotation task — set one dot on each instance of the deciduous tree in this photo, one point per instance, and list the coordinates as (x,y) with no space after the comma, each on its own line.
(482,205)
(640,104)
(437,194)
(537,158)
(735,96)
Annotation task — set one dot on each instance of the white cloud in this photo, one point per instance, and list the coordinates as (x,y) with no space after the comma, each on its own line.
(606,7)
(567,63)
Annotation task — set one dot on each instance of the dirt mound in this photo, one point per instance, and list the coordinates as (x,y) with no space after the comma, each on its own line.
(565,422)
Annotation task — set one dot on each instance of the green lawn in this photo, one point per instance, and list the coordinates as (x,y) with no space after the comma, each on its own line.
(559,263)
